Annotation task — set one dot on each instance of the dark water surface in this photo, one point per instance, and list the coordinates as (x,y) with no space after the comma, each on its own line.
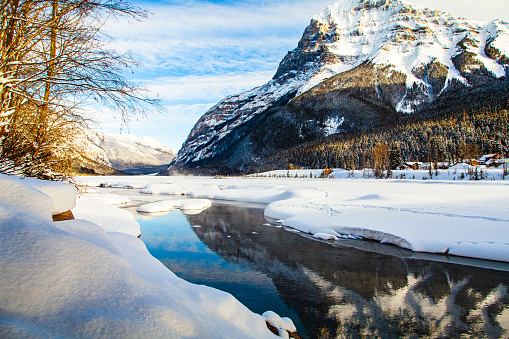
(348,288)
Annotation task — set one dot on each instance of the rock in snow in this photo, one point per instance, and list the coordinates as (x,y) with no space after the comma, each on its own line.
(275,320)
(74,279)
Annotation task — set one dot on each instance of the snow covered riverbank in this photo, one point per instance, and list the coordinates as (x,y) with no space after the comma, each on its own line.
(457,217)
(76,279)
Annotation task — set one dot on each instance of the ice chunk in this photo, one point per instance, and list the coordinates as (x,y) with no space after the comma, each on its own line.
(160,206)
(482,250)
(195,204)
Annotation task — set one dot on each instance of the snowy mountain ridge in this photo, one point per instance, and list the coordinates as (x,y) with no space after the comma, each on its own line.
(128,153)
(400,57)
(364,31)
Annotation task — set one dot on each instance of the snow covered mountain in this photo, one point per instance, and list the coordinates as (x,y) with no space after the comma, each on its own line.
(359,64)
(128,153)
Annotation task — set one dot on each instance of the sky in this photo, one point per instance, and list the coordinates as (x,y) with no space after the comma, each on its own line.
(197,52)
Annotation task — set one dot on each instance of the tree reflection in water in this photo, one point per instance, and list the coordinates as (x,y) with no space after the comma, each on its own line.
(340,291)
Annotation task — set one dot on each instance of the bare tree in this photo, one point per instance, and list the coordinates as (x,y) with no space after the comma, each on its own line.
(54,61)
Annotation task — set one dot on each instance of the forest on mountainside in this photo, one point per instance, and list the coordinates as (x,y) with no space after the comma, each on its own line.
(449,137)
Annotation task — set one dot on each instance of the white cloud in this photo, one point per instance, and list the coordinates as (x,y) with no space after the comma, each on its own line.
(211,55)
(199,36)
(187,114)
(201,18)
(208,88)
(175,113)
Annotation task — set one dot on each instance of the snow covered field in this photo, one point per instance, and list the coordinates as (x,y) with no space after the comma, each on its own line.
(93,277)
(452,216)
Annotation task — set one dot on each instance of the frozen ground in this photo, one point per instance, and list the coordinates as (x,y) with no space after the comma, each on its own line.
(77,279)
(458,217)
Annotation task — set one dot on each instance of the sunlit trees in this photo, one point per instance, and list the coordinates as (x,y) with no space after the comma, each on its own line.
(381,158)
(463,135)
(54,62)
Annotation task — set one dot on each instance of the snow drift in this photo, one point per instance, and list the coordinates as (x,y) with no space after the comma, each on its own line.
(72,278)
(454,217)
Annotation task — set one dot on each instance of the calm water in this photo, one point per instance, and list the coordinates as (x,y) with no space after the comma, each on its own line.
(347,288)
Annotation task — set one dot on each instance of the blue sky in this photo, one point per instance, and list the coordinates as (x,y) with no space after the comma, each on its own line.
(196,53)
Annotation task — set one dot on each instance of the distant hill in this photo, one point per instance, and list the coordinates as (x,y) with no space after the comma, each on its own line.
(360,64)
(124,154)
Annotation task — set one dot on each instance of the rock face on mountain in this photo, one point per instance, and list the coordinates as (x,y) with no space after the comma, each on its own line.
(124,153)
(359,64)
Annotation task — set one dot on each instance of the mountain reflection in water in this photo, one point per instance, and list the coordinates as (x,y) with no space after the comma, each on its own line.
(333,290)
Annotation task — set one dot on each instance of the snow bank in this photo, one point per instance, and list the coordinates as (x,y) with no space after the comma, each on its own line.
(108,199)
(167,205)
(160,206)
(435,216)
(410,218)
(63,195)
(459,171)
(255,193)
(492,251)
(73,279)
(196,204)
(93,208)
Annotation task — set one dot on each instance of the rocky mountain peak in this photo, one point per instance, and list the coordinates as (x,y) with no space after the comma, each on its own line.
(361,63)
(404,37)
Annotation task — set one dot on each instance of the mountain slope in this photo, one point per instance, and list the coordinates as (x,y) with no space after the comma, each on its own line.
(127,153)
(359,64)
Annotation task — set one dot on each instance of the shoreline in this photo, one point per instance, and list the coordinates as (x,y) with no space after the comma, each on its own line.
(52,269)
(365,244)
(76,278)
(462,218)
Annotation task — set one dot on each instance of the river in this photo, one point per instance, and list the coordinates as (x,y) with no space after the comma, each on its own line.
(345,288)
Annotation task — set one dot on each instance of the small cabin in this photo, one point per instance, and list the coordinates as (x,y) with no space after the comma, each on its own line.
(488,157)
(413,165)
(497,162)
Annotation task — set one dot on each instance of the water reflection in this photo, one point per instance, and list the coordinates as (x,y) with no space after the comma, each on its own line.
(333,290)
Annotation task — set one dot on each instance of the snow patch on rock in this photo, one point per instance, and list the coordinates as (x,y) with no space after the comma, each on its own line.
(282,323)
